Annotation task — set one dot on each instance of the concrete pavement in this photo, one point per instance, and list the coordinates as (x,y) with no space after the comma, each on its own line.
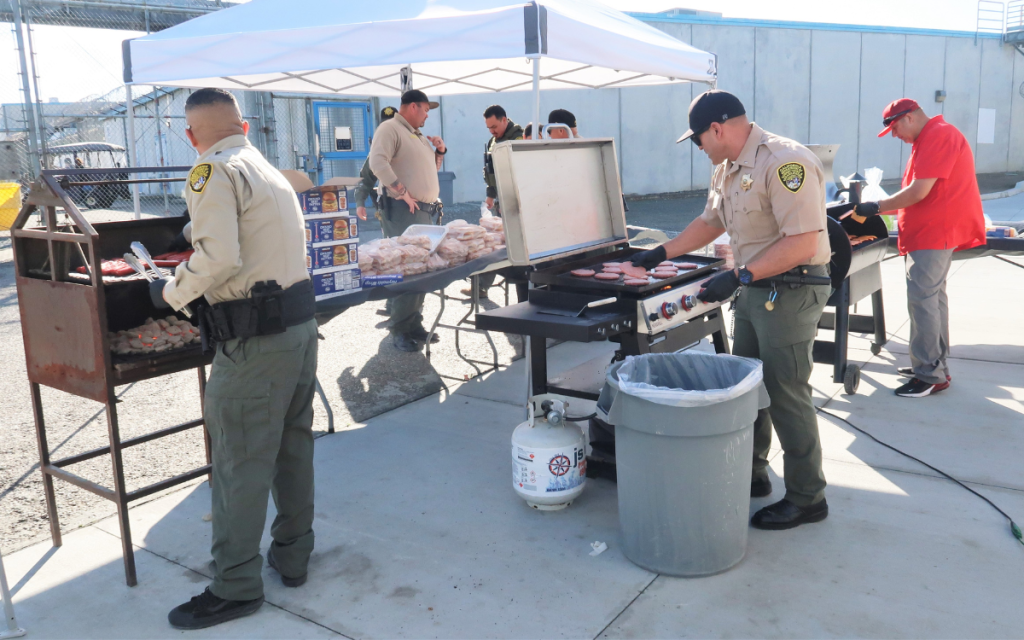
(1006,209)
(420,535)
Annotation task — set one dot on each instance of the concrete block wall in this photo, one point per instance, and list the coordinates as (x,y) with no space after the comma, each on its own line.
(819,84)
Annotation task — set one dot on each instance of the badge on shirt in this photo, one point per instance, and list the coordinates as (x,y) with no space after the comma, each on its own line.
(199,177)
(792,176)
(746,182)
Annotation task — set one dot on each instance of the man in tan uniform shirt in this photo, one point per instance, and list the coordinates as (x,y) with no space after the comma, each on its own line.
(404,160)
(250,265)
(768,192)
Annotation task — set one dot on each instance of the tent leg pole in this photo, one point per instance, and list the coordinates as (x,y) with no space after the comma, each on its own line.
(130,143)
(536,98)
(12,630)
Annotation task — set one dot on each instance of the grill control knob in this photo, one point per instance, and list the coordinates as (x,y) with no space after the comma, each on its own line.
(653,317)
(689,302)
(669,309)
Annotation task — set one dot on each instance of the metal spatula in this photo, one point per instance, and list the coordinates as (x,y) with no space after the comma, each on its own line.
(575,314)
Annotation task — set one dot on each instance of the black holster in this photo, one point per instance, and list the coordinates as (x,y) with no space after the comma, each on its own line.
(269,309)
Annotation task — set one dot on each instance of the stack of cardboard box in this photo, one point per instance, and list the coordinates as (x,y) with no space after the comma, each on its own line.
(332,241)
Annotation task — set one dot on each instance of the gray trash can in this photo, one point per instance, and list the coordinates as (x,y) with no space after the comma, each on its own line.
(446,181)
(684,434)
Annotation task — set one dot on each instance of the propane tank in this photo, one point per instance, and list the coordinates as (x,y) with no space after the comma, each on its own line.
(549,456)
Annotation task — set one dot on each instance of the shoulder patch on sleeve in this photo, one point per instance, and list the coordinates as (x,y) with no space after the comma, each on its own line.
(792,176)
(200,176)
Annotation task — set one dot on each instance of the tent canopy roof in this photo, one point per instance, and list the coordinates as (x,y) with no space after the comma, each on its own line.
(356,47)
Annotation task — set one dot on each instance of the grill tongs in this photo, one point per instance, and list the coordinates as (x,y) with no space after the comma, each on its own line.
(139,262)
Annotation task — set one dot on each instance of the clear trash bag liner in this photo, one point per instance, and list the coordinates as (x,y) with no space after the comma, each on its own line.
(697,380)
(873,191)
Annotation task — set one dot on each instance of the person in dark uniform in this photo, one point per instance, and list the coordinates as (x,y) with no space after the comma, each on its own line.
(768,192)
(250,267)
(367,181)
(501,129)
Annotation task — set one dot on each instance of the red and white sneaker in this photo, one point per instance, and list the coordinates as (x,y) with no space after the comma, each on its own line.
(916,388)
(908,372)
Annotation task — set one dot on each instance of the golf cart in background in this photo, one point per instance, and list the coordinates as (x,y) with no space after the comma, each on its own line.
(91,155)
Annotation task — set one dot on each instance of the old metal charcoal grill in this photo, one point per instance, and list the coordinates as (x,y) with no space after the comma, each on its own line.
(563,210)
(65,320)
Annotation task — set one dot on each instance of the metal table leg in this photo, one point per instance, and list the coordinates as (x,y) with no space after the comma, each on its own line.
(461,325)
(12,631)
(327,405)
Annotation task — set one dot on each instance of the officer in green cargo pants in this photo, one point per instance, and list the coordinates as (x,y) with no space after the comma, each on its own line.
(406,309)
(768,192)
(259,411)
(249,267)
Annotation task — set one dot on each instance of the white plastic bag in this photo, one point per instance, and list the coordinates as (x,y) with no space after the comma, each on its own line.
(873,192)
(688,379)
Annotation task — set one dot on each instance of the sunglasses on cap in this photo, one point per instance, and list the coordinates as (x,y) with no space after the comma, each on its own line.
(894,117)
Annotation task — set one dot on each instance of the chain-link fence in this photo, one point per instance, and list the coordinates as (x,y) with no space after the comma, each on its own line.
(62,103)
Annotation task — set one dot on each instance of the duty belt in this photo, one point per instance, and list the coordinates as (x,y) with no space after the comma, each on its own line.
(434,209)
(269,309)
(794,276)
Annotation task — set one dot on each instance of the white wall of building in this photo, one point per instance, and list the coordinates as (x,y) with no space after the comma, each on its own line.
(819,85)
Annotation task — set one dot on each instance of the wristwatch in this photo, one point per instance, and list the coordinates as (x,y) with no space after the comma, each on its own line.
(745,277)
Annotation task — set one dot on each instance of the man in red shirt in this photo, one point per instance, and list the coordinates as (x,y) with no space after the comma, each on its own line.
(939,212)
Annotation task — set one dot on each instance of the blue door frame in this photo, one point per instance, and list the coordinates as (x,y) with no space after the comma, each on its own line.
(340,155)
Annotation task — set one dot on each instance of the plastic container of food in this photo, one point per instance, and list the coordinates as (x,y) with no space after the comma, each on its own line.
(435,232)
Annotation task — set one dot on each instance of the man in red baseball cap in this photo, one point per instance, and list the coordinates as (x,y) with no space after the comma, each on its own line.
(939,212)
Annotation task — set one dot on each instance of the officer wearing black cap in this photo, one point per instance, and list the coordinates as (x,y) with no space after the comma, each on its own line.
(405,160)
(367,180)
(768,192)
(563,117)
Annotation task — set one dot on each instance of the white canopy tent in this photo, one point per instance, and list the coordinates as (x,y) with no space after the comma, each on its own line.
(355,47)
(442,47)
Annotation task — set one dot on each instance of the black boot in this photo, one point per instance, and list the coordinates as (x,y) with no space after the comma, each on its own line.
(786,515)
(404,342)
(419,334)
(760,487)
(207,610)
(285,580)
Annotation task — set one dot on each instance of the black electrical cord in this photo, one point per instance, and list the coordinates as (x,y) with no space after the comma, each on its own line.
(1014,529)
(582,418)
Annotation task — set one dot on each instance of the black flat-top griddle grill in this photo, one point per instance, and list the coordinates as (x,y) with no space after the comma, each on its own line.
(622,320)
(563,210)
(561,275)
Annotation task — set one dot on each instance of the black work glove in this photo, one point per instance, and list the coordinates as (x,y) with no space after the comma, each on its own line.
(650,259)
(719,288)
(179,244)
(156,293)
(865,209)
